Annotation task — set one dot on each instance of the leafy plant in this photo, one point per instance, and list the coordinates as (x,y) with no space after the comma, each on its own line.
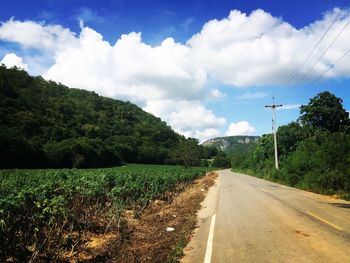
(39,209)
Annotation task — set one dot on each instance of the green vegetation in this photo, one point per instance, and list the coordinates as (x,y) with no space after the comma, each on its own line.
(314,152)
(48,125)
(40,210)
(222,160)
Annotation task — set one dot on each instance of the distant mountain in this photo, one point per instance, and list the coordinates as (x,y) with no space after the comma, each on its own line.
(46,124)
(231,144)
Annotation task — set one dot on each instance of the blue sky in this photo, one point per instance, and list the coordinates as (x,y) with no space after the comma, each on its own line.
(201,66)
(157,19)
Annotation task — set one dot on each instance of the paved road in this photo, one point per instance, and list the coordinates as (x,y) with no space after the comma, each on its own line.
(254,220)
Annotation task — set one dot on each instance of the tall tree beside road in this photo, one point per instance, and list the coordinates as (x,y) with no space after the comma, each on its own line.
(325,111)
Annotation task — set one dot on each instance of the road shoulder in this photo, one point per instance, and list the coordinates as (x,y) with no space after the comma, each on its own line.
(196,249)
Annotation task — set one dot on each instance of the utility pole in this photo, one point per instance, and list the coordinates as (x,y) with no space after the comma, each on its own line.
(274,130)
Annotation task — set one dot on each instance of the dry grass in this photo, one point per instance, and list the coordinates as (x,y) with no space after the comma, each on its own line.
(143,237)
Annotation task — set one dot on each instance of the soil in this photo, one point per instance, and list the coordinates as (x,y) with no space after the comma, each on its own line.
(157,234)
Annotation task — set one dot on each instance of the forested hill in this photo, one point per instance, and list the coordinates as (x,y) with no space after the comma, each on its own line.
(45,124)
(232,144)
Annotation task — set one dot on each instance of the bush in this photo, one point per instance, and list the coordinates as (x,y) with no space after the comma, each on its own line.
(221,162)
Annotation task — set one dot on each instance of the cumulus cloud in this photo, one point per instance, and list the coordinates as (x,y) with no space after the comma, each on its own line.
(190,118)
(240,128)
(128,69)
(260,49)
(37,35)
(170,79)
(10,60)
(240,50)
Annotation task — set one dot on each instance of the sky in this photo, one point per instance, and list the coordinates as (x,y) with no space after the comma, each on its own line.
(207,67)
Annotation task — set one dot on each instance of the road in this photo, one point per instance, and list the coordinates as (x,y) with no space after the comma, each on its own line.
(246,219)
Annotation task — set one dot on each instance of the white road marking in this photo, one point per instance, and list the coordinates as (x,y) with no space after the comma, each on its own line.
(208,252)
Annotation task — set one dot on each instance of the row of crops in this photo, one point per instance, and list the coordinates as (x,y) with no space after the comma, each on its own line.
(40,209)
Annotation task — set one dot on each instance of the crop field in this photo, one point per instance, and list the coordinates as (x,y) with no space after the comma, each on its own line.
(44,212)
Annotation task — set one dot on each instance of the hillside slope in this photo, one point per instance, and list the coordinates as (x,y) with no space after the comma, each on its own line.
(231,144)
(45,124)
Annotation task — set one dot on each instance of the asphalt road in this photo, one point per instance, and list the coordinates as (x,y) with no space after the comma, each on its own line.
(246,219)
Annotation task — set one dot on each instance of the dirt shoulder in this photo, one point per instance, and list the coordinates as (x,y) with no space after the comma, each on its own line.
(157,234)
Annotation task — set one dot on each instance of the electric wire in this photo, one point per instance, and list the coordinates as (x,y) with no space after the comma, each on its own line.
(322,55)
(312,84)
(319,58)
(299,68)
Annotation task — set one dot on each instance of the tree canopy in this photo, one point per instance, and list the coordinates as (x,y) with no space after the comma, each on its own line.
(325,111)
(46,124)
(313,153)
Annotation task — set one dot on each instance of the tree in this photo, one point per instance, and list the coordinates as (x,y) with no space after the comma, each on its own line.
(325,111)
(44,124)
(320,163)
(187,153)
(209,152)
(288,137)
(221,161)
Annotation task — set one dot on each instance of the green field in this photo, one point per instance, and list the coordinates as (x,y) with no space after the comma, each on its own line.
(38,206)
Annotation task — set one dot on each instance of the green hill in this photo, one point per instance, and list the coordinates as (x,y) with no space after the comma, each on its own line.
(233,144)
(46,124)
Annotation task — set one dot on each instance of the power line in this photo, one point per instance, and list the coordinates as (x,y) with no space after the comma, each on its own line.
(320,57)
(325,51)
(332,66)
(328,69)
(298,69)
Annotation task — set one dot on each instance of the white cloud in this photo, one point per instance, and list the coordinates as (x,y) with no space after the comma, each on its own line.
(11,59)
(260,49)
(202,135)
(129,69)
(206,134)
(36,35)
(171,78)
(189,118)
(240,50)
(184,116)
(240,128)
(289,107)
